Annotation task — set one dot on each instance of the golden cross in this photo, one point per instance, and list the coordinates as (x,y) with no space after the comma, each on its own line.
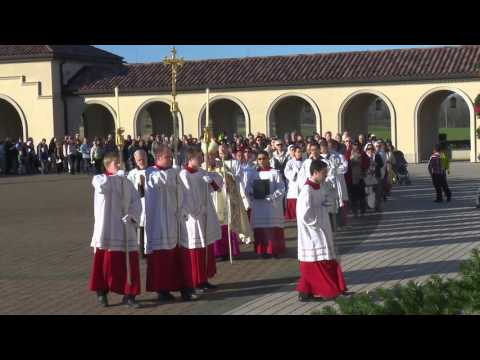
(175,64)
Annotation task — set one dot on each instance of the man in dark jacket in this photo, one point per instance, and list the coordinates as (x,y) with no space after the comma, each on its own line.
(439,176)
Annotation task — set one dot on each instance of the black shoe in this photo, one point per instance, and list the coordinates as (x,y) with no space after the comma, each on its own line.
(302,297)
(130,302)
(348,293)
(266,256)
(189,295)
(102,299)
(165,296)
(322,299)
(207,286)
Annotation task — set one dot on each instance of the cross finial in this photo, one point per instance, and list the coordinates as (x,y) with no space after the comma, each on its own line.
(174,63)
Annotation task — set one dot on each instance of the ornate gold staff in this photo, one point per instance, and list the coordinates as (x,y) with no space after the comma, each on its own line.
(175,64)
(207,139)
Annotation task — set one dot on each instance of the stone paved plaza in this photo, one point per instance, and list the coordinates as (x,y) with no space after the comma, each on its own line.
(46,225)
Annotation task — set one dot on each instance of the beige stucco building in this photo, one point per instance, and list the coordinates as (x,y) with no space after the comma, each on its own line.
(48,90)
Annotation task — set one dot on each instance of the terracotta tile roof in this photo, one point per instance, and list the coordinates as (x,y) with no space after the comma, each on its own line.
(86,52)
(350,67)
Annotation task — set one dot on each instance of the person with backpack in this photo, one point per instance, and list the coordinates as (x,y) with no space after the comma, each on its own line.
(438,171)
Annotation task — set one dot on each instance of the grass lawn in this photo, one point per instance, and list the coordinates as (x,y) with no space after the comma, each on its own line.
(381,133)
(456,134)
(453,134)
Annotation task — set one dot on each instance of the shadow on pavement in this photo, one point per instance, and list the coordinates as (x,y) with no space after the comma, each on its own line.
(400,272)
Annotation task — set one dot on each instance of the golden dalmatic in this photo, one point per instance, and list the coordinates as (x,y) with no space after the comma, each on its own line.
(229,202)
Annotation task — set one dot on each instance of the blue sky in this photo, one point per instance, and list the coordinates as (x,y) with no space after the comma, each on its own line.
(151,53)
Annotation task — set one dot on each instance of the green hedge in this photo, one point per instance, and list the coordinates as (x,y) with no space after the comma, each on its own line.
(456,134)
(436,296)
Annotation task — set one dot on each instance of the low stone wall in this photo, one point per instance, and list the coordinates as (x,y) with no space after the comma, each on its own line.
(463,155)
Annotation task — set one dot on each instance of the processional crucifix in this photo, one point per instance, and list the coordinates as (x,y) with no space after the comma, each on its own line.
(175,64)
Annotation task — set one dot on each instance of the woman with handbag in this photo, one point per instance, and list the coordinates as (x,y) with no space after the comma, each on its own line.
(357,172)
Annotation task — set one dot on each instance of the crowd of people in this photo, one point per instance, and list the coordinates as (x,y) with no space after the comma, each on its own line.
(71,155)
(74,155)
(253,186)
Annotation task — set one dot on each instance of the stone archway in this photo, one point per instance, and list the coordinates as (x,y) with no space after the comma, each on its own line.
(154,117)
(293,112)
(12,120)
(228,116)
(368,112)
(445,114)
(98,121)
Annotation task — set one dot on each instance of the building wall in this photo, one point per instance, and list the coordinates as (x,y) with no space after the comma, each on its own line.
(328,100)
(35,88)
(29,86)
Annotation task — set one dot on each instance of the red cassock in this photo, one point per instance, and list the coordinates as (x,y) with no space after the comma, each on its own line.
(269,241)
(164,271)
(321,278)
(291,210)
(110,272)
(197,267)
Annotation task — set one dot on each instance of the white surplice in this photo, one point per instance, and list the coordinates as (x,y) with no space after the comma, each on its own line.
(135,177)
(161,194)
(198,210)
(109,202)
(292,169)
(267,214)
(315,239)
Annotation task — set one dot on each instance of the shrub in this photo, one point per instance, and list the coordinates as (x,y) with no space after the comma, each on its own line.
(436,296)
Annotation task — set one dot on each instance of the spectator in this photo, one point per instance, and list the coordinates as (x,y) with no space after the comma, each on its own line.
(65,142)
(126,153)
(390,164)
(59,157)
(97,153)
(3,158)
(78,153)
(42,153)
(374,173)
(356,183)
(438,174)
(51,154)
(380,150)
(71,155)
(340,144)
(31,163)
(12,157)
(85,150)
(110,146)
(362,142)
(22,158)
(279,158)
